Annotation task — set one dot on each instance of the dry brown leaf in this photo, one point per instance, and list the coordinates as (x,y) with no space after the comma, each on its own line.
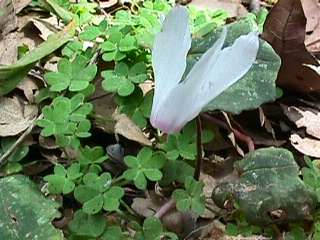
(127,128)
(232,137)
(20,4)
(14,116)
(28,86)
(8,49)
(307,146)
(285,29)
(47,26)
(312,11)
(305,117)
(209,184)
(8,20)
(233,7)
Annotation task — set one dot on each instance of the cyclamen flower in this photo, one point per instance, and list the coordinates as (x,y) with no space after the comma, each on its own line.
(177,102)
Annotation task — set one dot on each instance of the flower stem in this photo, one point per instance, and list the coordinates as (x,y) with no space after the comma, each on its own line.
(199,150)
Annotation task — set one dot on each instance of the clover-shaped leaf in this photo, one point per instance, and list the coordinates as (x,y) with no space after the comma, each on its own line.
(192,198)
(74,76)
(91,155)
(112,198)
(91,32)
(97,193)
(62,181)
(112,233)
(66,120)
(145,166)
(137,106)
(117,45)
(122,79)
(87,225)
(152,229)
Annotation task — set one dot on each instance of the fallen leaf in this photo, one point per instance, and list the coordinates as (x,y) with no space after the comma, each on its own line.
(209,184)
(307,146)
(305,117)
(285,29)
(46,26)
(15,117)
(9,51)
(8,20)
(29,87)
(127,128)
(11,75)
(20,4)
(232,137)
(312,12)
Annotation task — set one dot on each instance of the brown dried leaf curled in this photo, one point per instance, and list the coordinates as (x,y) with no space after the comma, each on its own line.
(285,29)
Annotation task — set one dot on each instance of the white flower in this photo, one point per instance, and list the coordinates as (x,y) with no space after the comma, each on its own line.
(177,102)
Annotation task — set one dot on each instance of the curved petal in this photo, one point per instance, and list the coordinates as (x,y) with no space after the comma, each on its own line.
(232,64)
(169,53)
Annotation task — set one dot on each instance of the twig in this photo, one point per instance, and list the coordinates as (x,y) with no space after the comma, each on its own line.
(199,150)
(165,208)
(241,136)
(4,157)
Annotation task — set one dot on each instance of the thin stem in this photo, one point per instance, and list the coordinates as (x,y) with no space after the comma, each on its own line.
(239,135)
(165,208)
(4,157)
(199,162)
(127,208)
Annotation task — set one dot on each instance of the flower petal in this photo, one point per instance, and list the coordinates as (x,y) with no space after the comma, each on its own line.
(169,53)
(232,64)
(179,107)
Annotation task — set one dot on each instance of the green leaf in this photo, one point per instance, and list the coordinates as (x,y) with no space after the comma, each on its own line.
(94,205)
(90,33)
(140,180)
(11,75)
(128,43)
(87,225)
(29,214)
(112,233)
(261,170)
(131,161)
(144,154)
(153,174)
(83,193)
(108,46)
(112,198)
(191,198)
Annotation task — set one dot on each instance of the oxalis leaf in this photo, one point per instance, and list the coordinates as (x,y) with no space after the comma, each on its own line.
(257,86)
(11,75)
(26,213)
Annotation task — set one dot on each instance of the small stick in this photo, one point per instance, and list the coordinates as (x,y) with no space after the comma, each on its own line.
(5,156)
(198,169)
(165,208)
